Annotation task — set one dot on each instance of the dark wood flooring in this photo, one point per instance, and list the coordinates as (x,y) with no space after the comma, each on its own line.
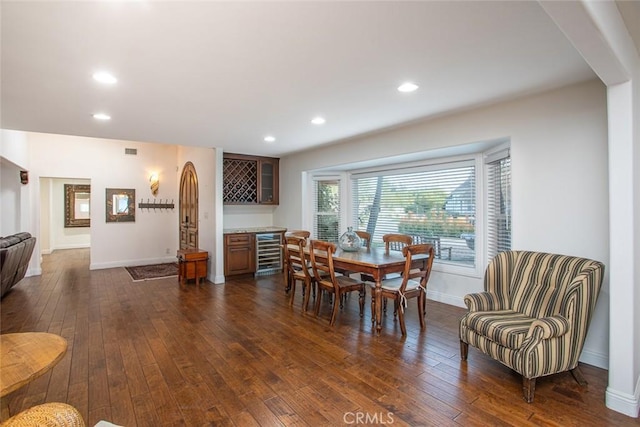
(152,354)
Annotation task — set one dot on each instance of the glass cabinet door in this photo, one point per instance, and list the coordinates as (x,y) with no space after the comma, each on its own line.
(267,182)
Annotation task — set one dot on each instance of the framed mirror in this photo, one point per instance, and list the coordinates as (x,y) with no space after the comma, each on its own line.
(77,205)
(121,205)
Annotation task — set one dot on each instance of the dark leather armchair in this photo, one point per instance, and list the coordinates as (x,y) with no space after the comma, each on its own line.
(15,253)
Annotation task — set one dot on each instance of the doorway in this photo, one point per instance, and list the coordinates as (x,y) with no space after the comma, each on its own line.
(65,214)
(189,207)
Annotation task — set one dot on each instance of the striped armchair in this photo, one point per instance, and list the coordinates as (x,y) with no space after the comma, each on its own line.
(534,313)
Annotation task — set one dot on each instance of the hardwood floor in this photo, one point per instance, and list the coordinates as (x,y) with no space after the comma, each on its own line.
(151,354)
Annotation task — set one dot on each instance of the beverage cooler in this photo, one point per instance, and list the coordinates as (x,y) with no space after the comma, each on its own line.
(268,253)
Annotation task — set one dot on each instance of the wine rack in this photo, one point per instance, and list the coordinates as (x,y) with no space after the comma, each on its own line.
(240,181)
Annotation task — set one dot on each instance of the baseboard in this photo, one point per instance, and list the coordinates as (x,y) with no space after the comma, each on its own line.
(593,358)
(446,298)
(33,272)
(45,251)
(624,403)
(218,280)
(130,263)
(70,246)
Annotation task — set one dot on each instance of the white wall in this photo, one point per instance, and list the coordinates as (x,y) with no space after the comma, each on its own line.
(248,216)
(9,198)
(45,216)
(103,162)
(634,346)
(14,147)
(559,172)
(14,196)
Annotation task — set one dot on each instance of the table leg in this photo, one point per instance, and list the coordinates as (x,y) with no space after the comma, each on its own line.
(378,298)
(4,412)
(182,272)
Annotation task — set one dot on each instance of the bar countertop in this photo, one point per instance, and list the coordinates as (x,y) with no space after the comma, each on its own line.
(254,230)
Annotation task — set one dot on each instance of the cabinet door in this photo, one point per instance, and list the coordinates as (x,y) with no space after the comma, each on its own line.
(268,181)
(239,254)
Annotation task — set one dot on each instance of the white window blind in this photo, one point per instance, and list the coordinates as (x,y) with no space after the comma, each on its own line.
(433,204)
(498,203)
(326,209)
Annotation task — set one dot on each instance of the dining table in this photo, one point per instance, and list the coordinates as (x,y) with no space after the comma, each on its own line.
(377,263)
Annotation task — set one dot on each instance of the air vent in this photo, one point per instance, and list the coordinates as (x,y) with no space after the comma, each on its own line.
(132,151)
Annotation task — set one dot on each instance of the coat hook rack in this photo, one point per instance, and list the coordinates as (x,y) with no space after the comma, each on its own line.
(156,204)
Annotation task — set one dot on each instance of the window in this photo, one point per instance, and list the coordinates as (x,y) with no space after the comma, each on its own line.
(498,203)
(326,215)
(461,205)
(435,204)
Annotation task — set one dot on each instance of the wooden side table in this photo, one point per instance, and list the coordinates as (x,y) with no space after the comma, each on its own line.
(192,264)
(24,357)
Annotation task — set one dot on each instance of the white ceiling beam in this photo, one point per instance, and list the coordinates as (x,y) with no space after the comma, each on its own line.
(576,20)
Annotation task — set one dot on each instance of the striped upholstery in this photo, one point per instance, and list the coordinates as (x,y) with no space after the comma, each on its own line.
(505,327)
(535,311)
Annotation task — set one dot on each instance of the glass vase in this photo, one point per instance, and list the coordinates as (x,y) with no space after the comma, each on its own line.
(350,241)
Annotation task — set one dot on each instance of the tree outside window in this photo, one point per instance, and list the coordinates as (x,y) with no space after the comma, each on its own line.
(327,212)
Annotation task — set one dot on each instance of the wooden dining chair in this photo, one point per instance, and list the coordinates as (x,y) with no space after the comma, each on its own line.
(365,237)
(392,242)
(300,233)
(321,254)
(297,269)
(412,284)
(396,242)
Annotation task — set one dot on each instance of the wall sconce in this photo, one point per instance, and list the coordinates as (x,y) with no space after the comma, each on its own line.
(155,183)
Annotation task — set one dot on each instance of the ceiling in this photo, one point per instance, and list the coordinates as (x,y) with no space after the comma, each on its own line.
(227,74)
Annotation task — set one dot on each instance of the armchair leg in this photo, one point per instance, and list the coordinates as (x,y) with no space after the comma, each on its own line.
(464,350)
(528,388)
(577,375)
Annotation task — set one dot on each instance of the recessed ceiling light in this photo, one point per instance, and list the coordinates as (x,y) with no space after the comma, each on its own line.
(318,120)
(101,116)
(269,138)
(407,87)
(105,77)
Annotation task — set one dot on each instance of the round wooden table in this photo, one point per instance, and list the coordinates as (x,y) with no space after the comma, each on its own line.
(27,355)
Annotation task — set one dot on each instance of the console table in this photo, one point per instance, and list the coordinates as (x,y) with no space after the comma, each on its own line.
(192,264)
